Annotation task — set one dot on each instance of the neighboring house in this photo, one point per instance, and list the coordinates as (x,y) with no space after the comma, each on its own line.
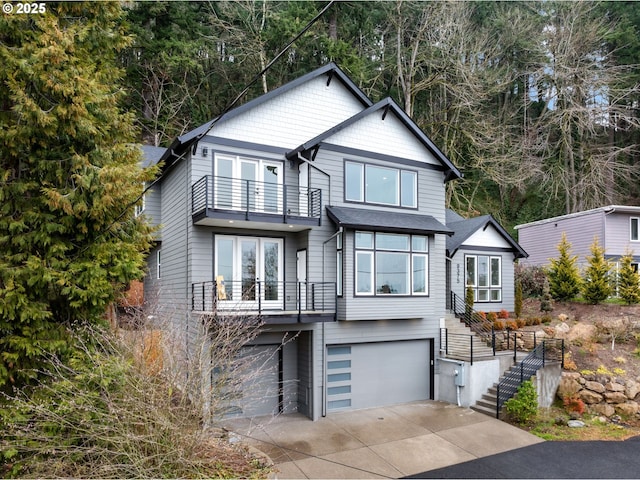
(481,254)
(617,228)
(324,213)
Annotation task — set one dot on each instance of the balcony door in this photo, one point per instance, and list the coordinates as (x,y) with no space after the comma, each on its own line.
(248,272)
(248,184)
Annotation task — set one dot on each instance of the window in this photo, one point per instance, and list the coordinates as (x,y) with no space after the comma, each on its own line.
(158,262)
(248,184)
(391,264)
(634,229)
(248,269)
(484,275)
(380,185)
(139,209)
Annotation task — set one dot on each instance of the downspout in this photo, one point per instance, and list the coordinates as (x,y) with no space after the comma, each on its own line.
(302,159)
(324,362)
(324,347)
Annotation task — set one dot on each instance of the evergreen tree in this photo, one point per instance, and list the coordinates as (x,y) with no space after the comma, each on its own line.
(546,302)
(628,280)
(595,284)
(564,278)
(517,302)
(69,180)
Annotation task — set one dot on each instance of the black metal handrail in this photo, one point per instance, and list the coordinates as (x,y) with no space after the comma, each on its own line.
(471,318)
(459,345)
(550,350)
(259,296)
(250,196)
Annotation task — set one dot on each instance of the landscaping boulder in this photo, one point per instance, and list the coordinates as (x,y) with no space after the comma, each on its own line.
(627,408)
(568,385)
(590,397)
(581,332)
(602,409)
(594,386)
(615,397)
(632,389)
(614,387)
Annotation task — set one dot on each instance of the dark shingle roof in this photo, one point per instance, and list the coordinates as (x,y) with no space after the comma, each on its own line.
(394,222)
(151,155)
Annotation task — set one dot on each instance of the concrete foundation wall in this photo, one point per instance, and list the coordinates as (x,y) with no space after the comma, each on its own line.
(546,383)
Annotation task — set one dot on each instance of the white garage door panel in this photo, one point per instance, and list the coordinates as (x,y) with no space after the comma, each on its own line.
(380,374)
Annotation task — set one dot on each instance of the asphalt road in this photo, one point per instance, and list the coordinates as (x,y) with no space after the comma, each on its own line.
(594,459)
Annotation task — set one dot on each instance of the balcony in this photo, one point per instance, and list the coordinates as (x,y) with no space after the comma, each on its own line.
(276,302)
(219,200)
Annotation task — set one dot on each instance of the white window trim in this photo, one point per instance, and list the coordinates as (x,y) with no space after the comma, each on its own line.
(490,287)
(637,220)
(372,253)
(158,263)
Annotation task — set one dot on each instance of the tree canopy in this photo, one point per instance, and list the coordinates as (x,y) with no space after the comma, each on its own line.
(533,101)
(69,179)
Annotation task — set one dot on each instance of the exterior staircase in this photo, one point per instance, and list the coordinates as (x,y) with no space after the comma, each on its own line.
(462,341)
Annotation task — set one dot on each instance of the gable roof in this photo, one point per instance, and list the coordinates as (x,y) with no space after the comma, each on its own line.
(151,155)
(386,105)
(396,222)
(464,228)
(331,70)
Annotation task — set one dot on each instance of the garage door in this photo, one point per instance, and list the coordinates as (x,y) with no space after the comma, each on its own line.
(260,390)
(377,374)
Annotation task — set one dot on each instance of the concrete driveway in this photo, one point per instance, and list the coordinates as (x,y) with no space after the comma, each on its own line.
(386,442)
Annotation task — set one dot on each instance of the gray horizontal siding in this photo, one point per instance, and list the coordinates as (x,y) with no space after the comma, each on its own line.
(541,241)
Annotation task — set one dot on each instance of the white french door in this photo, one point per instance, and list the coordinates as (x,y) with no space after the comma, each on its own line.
(248,272)
(248,184)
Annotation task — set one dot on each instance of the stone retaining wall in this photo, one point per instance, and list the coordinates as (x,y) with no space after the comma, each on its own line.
(602,395)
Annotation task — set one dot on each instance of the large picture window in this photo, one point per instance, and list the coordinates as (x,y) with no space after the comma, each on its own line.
(391,264)
(380,185)
(484,275)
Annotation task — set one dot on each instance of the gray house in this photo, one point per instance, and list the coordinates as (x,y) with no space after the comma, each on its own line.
(481,254)
(617,228)
(323,213)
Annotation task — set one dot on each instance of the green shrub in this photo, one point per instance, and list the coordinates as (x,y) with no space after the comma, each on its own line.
(524,406)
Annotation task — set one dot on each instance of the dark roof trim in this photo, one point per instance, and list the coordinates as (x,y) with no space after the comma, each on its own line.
(182,143)
(365,156)
(386,105)
(392,222)
(465,228)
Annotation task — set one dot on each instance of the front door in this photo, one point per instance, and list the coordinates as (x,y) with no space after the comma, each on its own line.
(301,268)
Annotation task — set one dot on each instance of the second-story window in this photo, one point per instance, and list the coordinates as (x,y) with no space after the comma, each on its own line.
(391,264)
(380,185)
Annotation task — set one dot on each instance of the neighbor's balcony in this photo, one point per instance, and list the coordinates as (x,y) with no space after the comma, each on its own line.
(221,200)
(275,302)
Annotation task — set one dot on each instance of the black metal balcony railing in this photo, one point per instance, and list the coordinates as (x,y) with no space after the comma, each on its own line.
(250,196)
(260,296)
